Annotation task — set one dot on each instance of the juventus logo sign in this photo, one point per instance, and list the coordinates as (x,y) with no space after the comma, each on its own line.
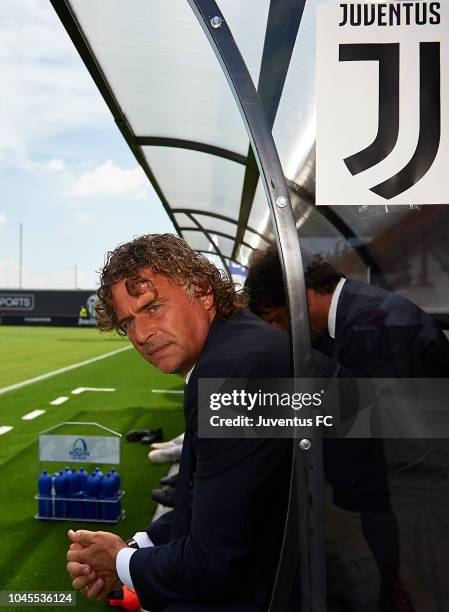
(388,127)
(381,103)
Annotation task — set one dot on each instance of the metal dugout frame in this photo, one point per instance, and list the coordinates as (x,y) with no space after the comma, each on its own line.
(301,545)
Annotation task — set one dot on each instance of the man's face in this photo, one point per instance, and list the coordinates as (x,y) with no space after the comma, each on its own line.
(168,329)
(277,316)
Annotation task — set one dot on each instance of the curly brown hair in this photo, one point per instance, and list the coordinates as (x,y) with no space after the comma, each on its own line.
(170,256)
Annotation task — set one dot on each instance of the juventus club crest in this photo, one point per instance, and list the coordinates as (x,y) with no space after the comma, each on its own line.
(382,86)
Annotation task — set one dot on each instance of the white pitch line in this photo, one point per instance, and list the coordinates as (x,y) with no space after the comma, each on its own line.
(167,391)
(62,370)
(5,429)
(32,415)
(59,400)
(79,390)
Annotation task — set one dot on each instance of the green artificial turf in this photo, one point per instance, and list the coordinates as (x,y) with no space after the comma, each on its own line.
(32,552)
(31,351)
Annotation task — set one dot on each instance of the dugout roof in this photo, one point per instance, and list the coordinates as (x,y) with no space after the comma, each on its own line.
(169,97)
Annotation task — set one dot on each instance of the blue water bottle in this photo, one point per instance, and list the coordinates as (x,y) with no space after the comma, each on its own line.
(99,474)
(117,491)
(100,478)
(116,476)
(71,485)
(68,477)
(92,494)
(44,485)
(108,487)
(75,491)
(83,479)
(60,485)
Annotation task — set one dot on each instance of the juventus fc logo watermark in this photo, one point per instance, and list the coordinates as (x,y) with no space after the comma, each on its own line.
(383,103)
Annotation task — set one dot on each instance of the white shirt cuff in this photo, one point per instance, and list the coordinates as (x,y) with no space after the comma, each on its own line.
(142,539)
(124,557)
(122,565)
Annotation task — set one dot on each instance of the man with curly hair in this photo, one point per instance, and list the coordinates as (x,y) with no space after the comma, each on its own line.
(218,549)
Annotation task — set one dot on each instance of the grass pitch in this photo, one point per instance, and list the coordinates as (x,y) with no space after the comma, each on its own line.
(31,351)
(32,552)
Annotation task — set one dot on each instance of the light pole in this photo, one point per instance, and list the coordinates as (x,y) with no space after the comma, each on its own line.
(20,253)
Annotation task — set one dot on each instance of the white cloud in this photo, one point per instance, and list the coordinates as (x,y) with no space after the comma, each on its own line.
(55,165)
(2,219)
(109,179)
(49,91)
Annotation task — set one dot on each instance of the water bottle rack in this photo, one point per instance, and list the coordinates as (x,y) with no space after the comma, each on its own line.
(80,500)
(84,450)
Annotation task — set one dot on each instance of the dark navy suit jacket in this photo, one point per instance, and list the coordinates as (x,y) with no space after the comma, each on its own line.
(223,540)
(380,334)
(383,335)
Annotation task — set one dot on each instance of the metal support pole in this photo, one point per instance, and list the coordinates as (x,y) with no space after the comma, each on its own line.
(307,475)
(20,253)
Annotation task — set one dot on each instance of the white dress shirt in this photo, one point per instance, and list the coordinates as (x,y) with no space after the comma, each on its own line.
(189,374)
(124,557)
(332,317)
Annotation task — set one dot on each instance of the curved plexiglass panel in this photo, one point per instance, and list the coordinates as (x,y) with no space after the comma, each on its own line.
(162,71)
(190,179)
(217,225)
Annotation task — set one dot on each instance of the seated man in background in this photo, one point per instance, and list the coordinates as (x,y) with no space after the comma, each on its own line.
(375,334)
(219,548)
(372,332)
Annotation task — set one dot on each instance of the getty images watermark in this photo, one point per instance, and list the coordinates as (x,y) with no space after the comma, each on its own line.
(261,400)
(337,408)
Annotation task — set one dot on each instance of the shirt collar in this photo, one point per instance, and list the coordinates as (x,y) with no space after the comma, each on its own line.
(332,317)
(189,374)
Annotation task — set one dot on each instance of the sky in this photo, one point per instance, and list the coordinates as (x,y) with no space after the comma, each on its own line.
(66,173)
